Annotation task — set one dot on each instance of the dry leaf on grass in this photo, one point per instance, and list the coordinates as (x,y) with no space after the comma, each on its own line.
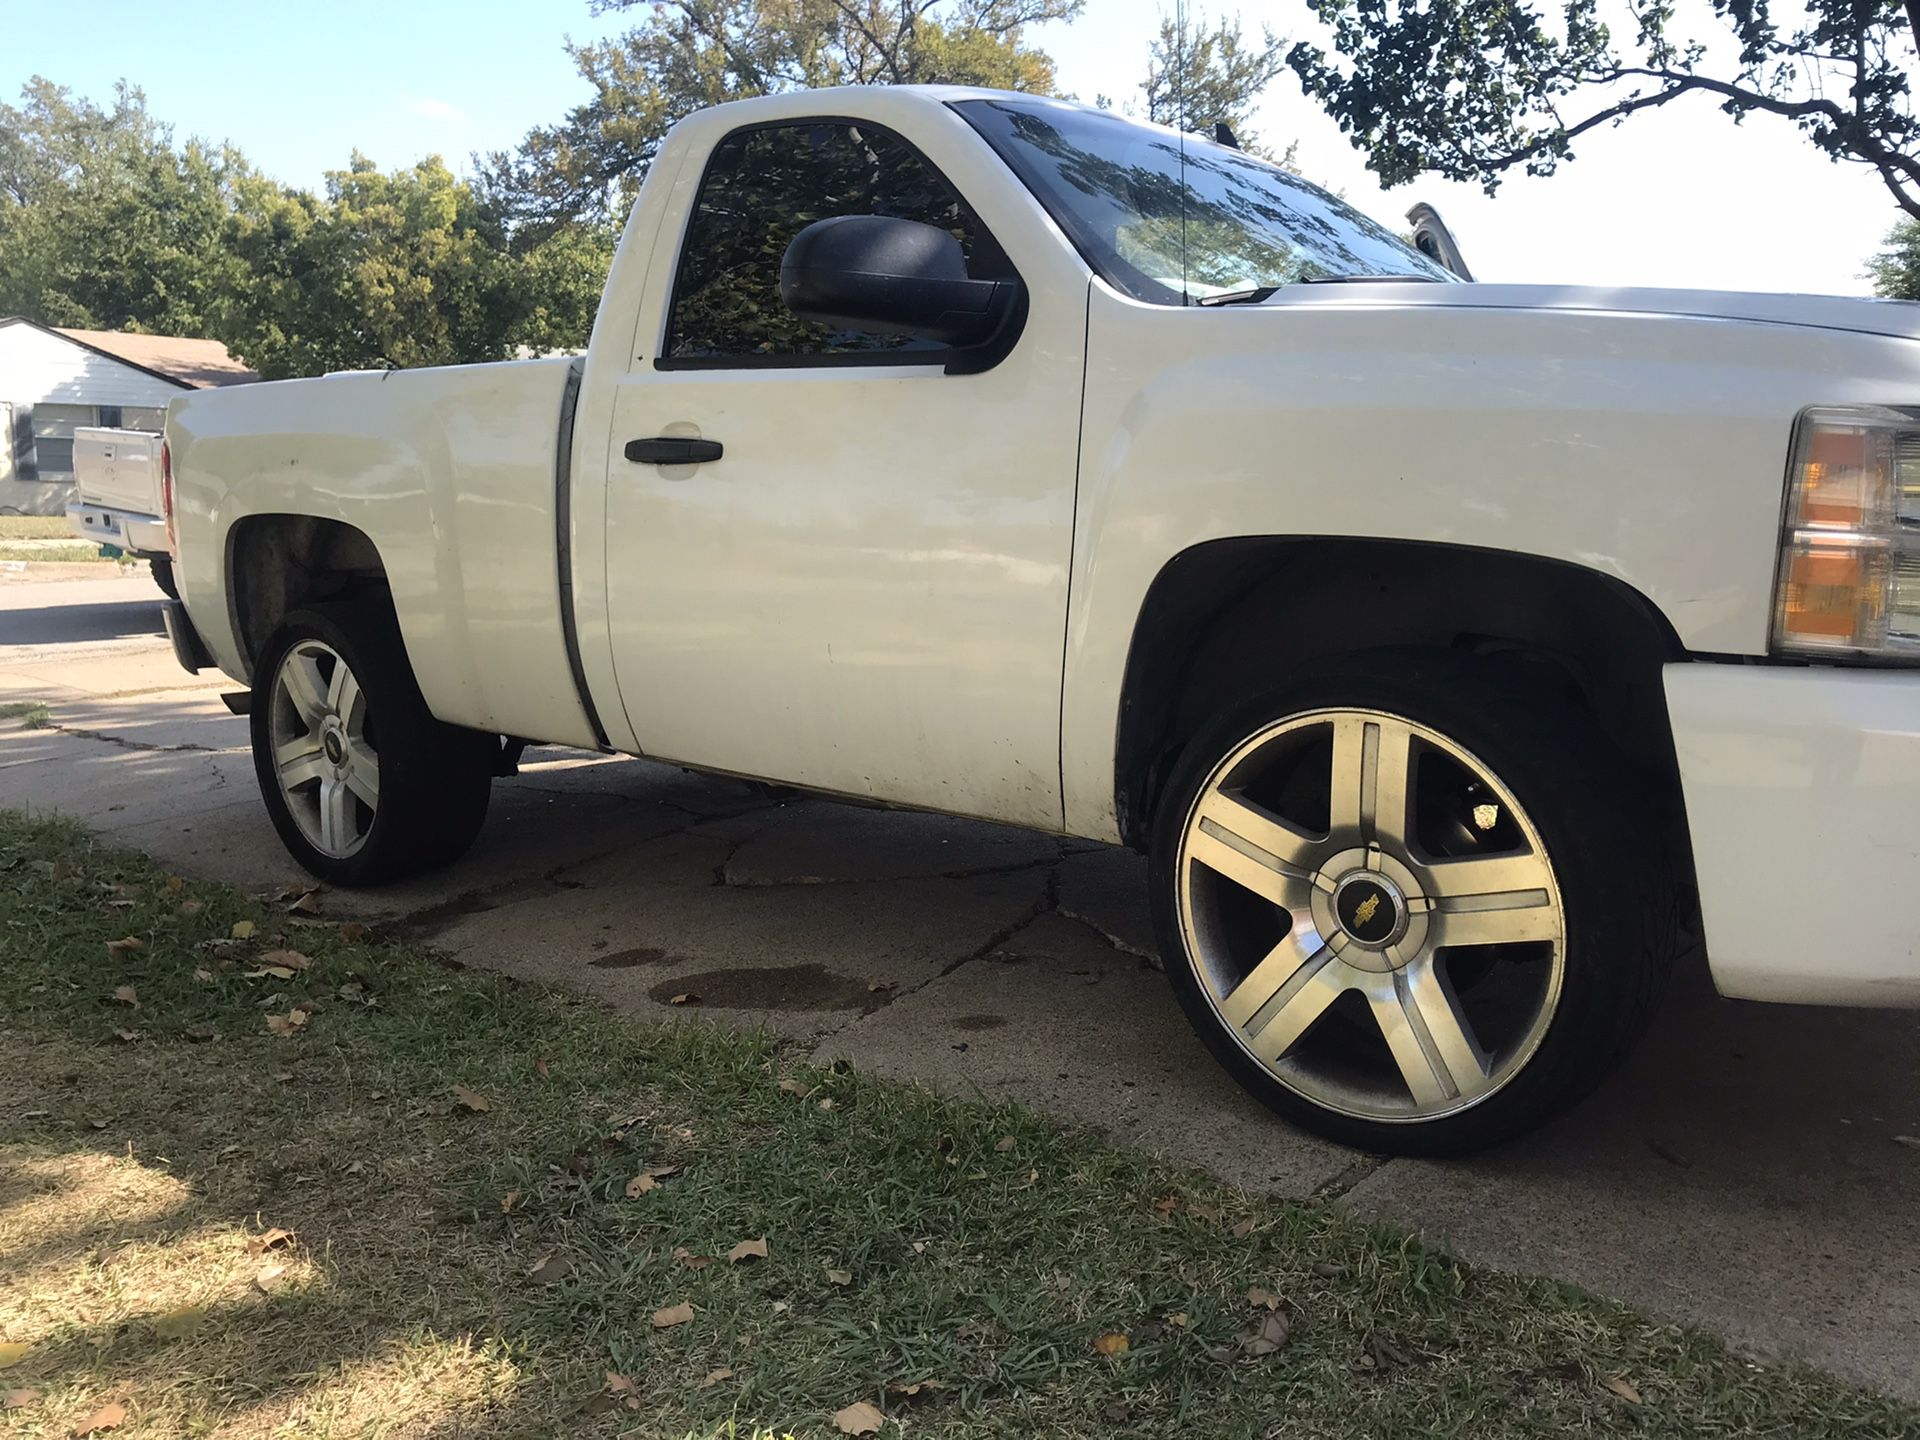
(117,948)
(839,1277)
(540,1068)
(12,1353)
(307,904)
(748,1250)
(1003,1144)
(623,1389)
(1110,1344)
(287,1024)
(692,1261)
(242,930)
(685,998)
(258,1245)
(189,908)
(1384,1352)
(127,1036)
(203,975)
(791,1086)
(640,1185)
(179,1323)
(859,1418)
(285,960)
(1242,1228)
(1269,1337)
(1624,1388)
(714,1377)
(672,1315)
(127,995)
(269,1277)
(1265,1299)
(1166,1205)
(910,1388)
(472,1099)
(19,1399)
(107,1417)
(508,1201)
(550,1270)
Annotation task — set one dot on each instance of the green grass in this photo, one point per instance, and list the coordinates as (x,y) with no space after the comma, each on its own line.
(33,527)
(32,714)
(48,552)
(479,1272)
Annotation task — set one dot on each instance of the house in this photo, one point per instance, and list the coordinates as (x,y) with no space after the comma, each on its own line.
(53,381)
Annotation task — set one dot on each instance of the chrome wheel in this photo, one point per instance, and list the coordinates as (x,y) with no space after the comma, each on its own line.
(323,756)
(1371,915)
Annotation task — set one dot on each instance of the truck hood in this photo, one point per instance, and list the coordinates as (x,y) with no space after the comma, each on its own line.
(1898,318)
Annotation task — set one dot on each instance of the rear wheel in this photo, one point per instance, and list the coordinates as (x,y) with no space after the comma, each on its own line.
(362,783)
(1412,902)
(162,567)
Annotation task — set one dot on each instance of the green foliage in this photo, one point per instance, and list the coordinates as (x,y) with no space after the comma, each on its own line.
(1895,271)
(1209,76)
(1472,89)
(685,55)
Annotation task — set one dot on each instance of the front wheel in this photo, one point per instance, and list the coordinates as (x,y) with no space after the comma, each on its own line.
(362,783)
(1412,903)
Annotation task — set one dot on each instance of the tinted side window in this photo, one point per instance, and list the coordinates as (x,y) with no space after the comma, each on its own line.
(765,186)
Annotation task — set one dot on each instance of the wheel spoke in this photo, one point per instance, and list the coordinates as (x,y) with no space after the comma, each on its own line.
(1277,1026)
(1475,875)
(299,761)
(1431,1039)
(336,816)
(1227,813)
(1246,863)
(1505,919)
(1372,779)
(1293,960)
(363,774)
(300,677)
(342,691)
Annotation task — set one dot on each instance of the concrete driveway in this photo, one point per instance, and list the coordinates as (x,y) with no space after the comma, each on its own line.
(1746,1172)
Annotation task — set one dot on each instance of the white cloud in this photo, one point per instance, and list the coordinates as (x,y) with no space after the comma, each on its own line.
(432,109)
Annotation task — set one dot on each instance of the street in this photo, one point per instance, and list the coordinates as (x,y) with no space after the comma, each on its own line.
(1753,1169)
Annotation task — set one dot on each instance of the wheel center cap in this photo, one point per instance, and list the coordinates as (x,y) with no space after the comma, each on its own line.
(1370,908)
(336,751)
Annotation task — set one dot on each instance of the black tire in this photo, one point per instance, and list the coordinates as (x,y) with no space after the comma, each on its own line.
(162,566)
(435,779)
(1601,824)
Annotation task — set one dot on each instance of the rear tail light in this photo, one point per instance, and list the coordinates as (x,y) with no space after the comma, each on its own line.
(166,498)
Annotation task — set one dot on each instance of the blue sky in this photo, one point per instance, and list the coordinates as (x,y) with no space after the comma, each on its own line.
(1683,197)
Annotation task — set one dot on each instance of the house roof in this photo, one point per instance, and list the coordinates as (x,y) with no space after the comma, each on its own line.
(196,364)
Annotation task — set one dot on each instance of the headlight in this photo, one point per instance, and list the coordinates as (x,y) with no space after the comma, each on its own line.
(1850,558)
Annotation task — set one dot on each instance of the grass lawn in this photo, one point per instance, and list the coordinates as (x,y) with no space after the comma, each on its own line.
(352,1191)
(33,527)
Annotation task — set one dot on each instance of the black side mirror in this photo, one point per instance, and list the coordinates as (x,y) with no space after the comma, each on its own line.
(898,277)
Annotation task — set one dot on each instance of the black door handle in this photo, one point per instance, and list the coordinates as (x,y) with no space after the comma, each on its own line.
(672,450)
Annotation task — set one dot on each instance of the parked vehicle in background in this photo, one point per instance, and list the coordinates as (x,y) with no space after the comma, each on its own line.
(990,454)
(116,481)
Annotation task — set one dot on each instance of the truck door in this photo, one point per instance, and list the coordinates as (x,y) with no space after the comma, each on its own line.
(867,592)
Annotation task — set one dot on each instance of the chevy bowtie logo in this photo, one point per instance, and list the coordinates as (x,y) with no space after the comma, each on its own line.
(1367,907)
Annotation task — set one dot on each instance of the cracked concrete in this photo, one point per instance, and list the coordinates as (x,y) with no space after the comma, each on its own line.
(1741,1173)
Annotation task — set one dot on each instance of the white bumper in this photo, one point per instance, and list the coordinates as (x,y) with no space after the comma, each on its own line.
(133,532)
(1803,799)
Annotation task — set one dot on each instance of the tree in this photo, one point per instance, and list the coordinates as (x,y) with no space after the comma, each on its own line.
(1895,271)
(103,223)
(688,54)
(1474,89)
(1200,77)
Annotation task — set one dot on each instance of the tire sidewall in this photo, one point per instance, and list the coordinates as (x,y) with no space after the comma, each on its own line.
(1580,798)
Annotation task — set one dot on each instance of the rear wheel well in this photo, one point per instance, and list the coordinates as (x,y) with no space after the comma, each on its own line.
(283,563)
(1228,618)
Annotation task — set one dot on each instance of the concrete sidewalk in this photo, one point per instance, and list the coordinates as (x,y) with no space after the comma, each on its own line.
(1743,1173)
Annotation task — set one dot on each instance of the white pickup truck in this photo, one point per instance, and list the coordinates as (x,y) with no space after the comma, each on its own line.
(116,481)
(1454,650)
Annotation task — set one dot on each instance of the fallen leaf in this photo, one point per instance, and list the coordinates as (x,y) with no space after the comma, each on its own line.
(1166,1205)
(1209,1213)
(259,1245)
(790,1086)
(472,1099)
(98,1123)
(1003,1144)
(827,1104)
(12,1353)
(1384,1352)
(202,1033)
(839,1277)
(919,1247)
(177,1323)
(508,1201)
(285,959)
(661,1172)
(107,1417)
(911,1388)
(307,904)
(18,1399)
(748,1250)
(859,1418)
(1624,1388)
(127,995)
(126,946)
(640,1185)
(1242,1228)
(714,1377)
(288,1023)
(540,1068)
(1178,1318)
(175,884)
(550,1270)
(672,1315)
(1269,1337)
(1265,1299)
(623,1389)
(203,975)
(190,908)
(1111,1343)
(126,1036)
(692,1261)
(242,930)
(268,1277)
(684,998)
(1327,1270)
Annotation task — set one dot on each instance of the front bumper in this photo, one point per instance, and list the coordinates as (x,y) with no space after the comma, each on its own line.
(1803,801)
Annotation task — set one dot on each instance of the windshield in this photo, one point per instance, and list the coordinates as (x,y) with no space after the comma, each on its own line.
(1238,224)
